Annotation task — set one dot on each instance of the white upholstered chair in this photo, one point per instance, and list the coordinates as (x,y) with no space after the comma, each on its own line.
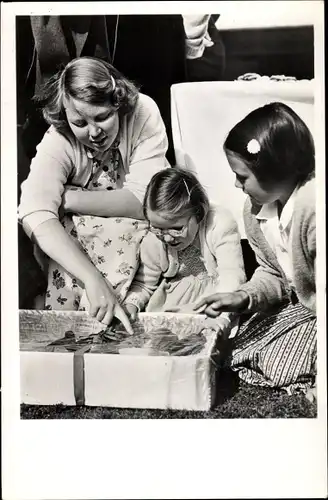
(204,112)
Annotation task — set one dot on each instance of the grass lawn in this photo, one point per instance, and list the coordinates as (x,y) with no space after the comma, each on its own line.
(235,399)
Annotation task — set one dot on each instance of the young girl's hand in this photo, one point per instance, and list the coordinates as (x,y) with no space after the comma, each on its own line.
(103,303)
(220,302)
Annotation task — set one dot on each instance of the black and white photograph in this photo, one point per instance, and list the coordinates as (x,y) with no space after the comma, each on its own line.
(163,181)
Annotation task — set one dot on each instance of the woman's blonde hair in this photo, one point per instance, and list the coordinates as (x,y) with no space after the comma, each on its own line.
(90,80)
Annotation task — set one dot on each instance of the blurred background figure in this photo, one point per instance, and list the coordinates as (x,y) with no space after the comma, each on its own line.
(148,49)
(205,51)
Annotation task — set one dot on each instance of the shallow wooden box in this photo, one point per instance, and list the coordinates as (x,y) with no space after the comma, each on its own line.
(115,380)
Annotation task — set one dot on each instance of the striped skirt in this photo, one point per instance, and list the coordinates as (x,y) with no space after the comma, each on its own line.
(277,350)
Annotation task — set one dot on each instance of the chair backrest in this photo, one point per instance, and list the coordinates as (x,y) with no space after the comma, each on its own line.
(204,112)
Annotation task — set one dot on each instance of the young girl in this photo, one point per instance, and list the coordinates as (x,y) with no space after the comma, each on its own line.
(104,138)
(271,152)
(194,246)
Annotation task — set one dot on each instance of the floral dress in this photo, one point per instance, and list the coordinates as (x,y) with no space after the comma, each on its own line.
(112,244)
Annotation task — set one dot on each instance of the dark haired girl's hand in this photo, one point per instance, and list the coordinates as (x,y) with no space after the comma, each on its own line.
(219,302)
(104,304)
(311,395)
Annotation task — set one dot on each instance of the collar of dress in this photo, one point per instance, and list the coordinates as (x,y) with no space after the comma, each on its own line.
(270,210)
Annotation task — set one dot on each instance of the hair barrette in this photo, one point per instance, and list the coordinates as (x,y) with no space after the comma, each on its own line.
(188,191)
(113,83)
(253,146)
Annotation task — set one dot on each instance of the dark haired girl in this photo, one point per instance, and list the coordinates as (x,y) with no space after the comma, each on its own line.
(271,152)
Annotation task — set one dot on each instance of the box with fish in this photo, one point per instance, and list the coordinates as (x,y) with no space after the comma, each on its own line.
(72,359)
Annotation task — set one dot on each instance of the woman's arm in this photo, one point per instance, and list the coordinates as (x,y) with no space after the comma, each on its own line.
(58,245)
(147,156)
(115,203)
(41,192)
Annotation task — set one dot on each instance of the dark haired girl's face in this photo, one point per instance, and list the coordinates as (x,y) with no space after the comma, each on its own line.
(93,125)
(247,181)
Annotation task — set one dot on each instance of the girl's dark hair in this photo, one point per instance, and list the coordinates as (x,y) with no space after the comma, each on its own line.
(90,80)
(286,147)
(175,192)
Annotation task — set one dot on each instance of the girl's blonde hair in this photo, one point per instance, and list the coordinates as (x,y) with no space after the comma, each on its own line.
(90,80)
(175,192)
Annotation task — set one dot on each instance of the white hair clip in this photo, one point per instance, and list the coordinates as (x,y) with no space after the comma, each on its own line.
(253,147)
(113,83)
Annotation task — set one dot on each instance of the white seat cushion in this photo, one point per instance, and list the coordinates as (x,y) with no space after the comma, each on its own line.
(204,112)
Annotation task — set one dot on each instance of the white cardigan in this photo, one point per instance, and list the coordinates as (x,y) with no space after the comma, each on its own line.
(220,248)
(62,159)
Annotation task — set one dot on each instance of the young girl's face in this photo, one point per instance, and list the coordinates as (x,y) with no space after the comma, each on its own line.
(94,126)
(246,180)
(178,233)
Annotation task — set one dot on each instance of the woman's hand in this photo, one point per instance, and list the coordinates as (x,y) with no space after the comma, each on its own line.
(131,311)
(104,304)
(219,302)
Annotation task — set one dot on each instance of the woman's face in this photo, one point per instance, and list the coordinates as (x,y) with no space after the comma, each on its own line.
(94,126)
(246,180)
(178,233)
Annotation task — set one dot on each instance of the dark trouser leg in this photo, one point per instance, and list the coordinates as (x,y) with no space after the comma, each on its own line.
(211,66)
(32,282)
(150,50)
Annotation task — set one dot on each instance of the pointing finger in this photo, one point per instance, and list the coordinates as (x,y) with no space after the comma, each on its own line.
(108,318)
(200,304)
(93,311)
(101,313)
(200,309)
(122,316)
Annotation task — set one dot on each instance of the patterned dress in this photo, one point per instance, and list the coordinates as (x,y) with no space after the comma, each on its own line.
(277,349)
(112,244)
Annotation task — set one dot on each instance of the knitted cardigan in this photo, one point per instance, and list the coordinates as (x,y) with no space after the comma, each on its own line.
(61,159)
(220,249)
(269,286)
